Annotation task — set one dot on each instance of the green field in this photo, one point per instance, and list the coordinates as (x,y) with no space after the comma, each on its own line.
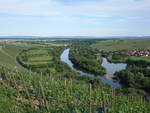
(35,57)
(9,51)
(147,59)
(115,57)
(8,54)
(121,44)
(117,45)
(45,60)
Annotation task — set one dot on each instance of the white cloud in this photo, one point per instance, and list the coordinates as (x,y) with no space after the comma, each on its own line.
(103,9)
(108,12)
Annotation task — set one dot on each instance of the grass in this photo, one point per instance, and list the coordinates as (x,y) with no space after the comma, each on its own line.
(147,59)
(8,54)
(37,56)
(125,58)
(23,93)
(121,44)
(46,60)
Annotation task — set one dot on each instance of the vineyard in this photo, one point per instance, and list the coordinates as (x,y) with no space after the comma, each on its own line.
(32,93)
(50,86)
(45,60)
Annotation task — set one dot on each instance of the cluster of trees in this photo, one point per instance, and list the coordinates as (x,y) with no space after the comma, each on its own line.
(86,58)
(139,63)
(135,77)
(118,58)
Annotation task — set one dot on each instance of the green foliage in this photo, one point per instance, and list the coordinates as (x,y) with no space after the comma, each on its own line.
(45,60)
(32,93)
(8,54)
(135,77)
(87,59)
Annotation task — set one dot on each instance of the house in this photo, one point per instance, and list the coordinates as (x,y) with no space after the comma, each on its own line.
(135,52)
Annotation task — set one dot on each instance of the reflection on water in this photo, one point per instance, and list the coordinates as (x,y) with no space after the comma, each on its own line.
(111,68)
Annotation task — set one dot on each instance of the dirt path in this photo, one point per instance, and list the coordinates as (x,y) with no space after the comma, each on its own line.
(19,65)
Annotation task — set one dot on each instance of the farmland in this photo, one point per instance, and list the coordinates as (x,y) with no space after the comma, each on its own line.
(121,44)
(8,54)
(44,60)
(26,93)
(51,86)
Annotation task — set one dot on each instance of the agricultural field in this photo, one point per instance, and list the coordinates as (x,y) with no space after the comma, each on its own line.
(113,48)
(8,54)
(9,51)
(48,85)
(21,93)
(37,59)
(121,44)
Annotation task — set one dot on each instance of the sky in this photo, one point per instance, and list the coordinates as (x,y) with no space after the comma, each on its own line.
(74,17)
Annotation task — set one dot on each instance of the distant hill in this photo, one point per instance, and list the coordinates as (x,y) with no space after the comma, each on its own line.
(77,37)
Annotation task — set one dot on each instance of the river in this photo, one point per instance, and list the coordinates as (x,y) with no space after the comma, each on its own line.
(111,68)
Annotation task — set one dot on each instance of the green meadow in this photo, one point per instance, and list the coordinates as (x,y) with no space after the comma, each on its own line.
(121,44)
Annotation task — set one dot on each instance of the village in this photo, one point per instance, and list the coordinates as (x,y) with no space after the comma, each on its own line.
(136,52)
(3,41)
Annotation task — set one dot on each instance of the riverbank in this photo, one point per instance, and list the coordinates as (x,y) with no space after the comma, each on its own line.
(86,59)
(65,58)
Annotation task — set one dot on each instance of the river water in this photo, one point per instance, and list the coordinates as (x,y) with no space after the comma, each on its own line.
(111,68)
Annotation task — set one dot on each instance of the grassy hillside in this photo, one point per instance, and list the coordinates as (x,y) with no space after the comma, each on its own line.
(23,93)
(9,51)
(120,44)
(8,54)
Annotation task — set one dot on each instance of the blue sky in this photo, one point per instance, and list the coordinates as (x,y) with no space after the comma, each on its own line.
(75,17)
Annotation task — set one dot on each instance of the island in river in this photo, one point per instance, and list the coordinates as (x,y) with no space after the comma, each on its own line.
(111,68)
